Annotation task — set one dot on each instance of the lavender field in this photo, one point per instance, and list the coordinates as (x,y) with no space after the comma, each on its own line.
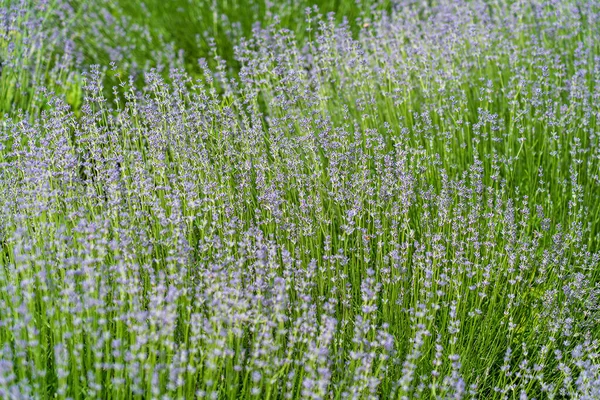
(300,199)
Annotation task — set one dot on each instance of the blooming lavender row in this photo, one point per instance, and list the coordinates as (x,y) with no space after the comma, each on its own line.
(407,213)
(47,44)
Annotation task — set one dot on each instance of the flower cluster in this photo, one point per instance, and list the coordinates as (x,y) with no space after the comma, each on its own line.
(409,211)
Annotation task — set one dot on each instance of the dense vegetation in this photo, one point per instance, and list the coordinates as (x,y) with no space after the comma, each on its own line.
(300,199)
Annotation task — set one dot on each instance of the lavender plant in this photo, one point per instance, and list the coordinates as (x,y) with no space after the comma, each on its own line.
(406,212)
(36,51)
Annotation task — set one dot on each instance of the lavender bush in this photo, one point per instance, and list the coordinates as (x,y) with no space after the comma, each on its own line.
(408,212)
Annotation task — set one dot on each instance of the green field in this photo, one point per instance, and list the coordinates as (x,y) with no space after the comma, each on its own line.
(300,199)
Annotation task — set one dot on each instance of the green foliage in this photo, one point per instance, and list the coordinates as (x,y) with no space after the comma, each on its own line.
(246,199)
